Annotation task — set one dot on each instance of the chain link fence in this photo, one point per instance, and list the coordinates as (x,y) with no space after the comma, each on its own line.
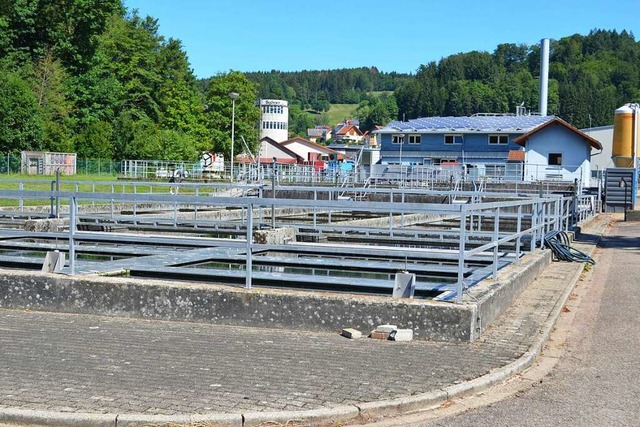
(11,163)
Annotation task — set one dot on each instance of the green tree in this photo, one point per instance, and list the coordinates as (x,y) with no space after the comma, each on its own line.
(67,28)
(181,107)
(130,47)
(20,121)
(300,121)
(55,108)
(219,111)
(376,111)
(94,140)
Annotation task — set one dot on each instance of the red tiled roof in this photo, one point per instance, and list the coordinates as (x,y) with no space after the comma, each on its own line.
(345,129)
(515,156)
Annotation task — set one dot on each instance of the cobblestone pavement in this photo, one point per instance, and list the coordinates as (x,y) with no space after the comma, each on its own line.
(83,363)
(96,364)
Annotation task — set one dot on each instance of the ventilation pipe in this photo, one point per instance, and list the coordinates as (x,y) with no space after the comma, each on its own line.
(544,76)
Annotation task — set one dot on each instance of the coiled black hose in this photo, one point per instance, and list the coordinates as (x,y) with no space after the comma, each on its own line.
(560,245)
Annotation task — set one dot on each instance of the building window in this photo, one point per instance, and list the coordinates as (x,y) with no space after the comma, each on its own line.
(414,139)
(453,139)
(397,139)
(498,139)
(555,159)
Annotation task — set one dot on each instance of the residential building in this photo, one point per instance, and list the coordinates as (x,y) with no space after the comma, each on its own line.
(347,131)
(319,133)
(557,151)
(270,149)
(309,151)
(488,145)
(371,138)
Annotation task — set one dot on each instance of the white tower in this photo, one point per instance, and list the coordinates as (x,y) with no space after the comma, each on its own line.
(274,119)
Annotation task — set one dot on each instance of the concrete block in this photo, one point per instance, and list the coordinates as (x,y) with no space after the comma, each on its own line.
(405,285)
(401,335)
(351,333)
(386,328)
(53,262)
(376,335)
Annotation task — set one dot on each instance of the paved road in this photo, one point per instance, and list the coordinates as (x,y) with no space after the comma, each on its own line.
(597,380)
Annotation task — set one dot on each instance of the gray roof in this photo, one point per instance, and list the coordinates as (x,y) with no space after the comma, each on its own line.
(476,123)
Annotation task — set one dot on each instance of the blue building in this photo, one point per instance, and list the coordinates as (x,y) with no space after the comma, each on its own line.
(484,144)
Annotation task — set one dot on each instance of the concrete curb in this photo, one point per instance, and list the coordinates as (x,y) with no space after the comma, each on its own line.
(325,416)
(51,418)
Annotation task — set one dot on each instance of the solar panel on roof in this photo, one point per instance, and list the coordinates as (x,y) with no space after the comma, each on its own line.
(473,123)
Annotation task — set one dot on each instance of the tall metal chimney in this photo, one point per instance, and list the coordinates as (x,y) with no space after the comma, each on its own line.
(544,76)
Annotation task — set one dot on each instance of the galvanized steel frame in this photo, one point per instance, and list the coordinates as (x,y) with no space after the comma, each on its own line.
(545,213)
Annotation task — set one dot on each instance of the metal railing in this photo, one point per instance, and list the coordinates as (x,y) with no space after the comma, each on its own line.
(494,230)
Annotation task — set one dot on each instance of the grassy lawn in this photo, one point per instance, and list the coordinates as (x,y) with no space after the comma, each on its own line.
(90,184)
(43,182)
(338,112)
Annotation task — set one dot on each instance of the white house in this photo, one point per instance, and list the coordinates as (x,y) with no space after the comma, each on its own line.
(556,150)
(309,151)
(270,149)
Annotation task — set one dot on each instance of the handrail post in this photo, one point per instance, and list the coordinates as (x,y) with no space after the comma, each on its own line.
(273,195)
(463,238)
(51,199)
(518,230)
(58,191)
(21,201)
(541,223)
(72,232)
(534,233)
(496,237)
(249,255)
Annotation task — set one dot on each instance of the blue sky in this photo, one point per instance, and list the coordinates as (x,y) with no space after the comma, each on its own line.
(393,35)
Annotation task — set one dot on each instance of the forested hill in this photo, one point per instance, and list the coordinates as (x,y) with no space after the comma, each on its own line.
(91,77)
(316,89)
(590,76)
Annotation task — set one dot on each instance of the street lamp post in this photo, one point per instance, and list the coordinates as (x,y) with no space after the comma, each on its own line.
(624,184)
(233,96)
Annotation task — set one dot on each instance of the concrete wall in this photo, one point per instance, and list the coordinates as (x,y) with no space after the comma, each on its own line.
(604,134)
(493,298)
(224,305)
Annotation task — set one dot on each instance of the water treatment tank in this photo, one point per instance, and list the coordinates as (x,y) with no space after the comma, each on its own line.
(622,151)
